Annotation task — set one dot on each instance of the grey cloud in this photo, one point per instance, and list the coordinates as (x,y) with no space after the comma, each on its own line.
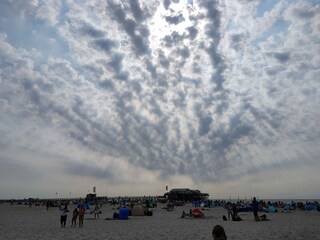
(95,70)
(92,32)
(224,139)
(136,10)
(117,65)
(174,39)
(204,120)
(137,32)
(236,41)
(166,4)
(136,86)
(184,52)
(304,13)
(35,95)
(213,32)
(104,44)
(204,125)
(221,106)
(174,18)
(180,99)
(123,75)
(152,69)
(282,57)
(106,84)
(163,60)
(272,71)
(162,80)
(193,32)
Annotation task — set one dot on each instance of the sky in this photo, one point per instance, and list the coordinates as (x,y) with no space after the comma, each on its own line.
(133,96)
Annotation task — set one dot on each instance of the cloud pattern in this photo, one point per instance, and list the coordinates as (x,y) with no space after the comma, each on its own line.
(213,90)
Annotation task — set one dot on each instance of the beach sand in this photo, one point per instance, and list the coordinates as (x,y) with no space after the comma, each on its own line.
(22,222)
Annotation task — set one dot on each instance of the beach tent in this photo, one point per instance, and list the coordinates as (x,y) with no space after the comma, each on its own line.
(309,207)
(287,207)
(271,209)
(86,205)
(137,210)
(245,209)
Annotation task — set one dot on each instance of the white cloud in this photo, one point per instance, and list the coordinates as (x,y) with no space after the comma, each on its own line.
(49,11)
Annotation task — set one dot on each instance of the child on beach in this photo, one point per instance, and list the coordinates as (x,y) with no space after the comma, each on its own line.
(81,215)
(64,213)
(74,217)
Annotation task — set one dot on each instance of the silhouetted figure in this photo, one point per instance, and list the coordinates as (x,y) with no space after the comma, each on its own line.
(255,206)
(218,233)
(75,214)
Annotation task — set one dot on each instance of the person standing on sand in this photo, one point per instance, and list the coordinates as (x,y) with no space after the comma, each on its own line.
(64,213)
(255,205)
(96,211)
(81,215)
(218,233)
(75,214)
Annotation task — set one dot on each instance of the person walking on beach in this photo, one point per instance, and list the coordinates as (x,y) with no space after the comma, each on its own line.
(229,210)
(64,213)
(96,211)
(218,233)
(81,215)
(75,214)
(255,206)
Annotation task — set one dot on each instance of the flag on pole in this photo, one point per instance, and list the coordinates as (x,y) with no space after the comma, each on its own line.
(94,189)
(167,188)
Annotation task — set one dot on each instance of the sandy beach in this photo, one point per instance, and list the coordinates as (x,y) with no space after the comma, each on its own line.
(22,222)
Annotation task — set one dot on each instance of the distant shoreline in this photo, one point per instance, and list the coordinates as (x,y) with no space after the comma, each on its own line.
(156,197)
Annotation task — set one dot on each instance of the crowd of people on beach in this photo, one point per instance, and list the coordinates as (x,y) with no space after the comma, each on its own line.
(218,233)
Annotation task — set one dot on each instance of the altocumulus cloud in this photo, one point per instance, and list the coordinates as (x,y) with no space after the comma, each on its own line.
(175,88)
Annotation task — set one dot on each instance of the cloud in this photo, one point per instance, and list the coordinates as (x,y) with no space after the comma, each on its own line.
(92,31)
(104,44)
(137,31)
(49,11)
(166,4)
(174,18)
(201,94)
(281,57)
